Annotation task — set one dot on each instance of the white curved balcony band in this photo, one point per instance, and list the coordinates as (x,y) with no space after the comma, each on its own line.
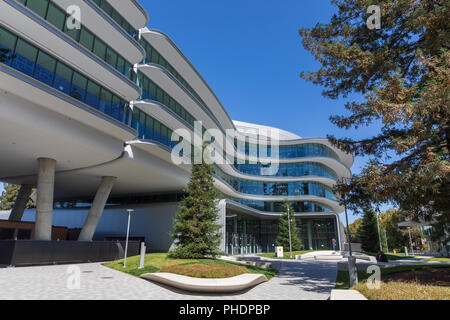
(27,104)
(258,213)
(170,119)
(41,33)
(173,121)
(142,169)
(161,77)
(132,11)
(162,153)
(166,47)
(107,29)
(229,191)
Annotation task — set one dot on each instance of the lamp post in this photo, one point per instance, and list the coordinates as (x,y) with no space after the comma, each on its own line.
(379,233)
(385,237)
(410,240)
(352,270)
(349,239)
(290,237)
(126,241)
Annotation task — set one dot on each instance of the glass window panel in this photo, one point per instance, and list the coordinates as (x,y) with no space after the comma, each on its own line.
(159,95)
(7,39)
(74,33)
(111,56)
(106,7)
(79,83)
(157,126)
(63,77)
(149,122)
(93,94)
(152,89)
(116,109)
(116,16)
(105,101)
(155,56)
(87,39)
(100,48)
(45,68)
(166,100)
(26,50)
(38,6)
(56,16)
(172,104)
(164,131)
(25,57)
(7,45)
(121,64)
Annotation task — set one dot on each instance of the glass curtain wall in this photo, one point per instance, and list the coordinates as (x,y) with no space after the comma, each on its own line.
(249,235)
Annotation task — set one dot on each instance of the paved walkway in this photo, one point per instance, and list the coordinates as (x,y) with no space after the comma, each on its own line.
(297,280)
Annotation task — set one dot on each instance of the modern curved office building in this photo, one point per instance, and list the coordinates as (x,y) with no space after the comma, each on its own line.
(88,114)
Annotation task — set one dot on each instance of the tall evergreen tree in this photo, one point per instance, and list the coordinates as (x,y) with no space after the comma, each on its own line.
(9,196)
(354,227)
(368,231)
(283,230)
(195,225)
(399,76)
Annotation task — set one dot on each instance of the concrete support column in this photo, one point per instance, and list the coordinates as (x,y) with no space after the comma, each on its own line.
(44,202)
(21,202)
(95,213)
(222,221)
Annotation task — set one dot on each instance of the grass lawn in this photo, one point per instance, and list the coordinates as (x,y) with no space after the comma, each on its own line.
(286,255)
(159,262)
(404,291)
(391,256)
(343,282)
(396,290)
(439,259)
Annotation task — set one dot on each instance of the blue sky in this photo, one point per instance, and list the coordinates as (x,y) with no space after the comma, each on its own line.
(251,55)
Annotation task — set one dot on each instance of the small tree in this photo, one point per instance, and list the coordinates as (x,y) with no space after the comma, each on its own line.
(195,225)
(9,195)
(283,230)
(368,231)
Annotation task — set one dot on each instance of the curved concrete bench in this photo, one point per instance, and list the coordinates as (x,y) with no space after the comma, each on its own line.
(222,285)
(320,255)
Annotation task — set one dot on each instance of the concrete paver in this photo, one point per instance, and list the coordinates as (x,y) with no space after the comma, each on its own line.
(296,280)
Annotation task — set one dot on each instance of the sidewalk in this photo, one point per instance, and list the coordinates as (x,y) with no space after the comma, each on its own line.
(295,281)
